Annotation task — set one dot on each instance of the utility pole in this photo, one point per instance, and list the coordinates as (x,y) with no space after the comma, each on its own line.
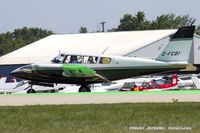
(102,23)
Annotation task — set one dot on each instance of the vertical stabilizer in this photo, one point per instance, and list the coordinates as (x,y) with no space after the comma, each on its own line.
(174,80)
(196,81)
(179,46)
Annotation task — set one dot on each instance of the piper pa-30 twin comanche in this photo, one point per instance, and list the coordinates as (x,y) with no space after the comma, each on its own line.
(89,69)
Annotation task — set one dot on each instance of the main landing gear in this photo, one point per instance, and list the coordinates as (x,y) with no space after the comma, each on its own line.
(84,88)
(30,89)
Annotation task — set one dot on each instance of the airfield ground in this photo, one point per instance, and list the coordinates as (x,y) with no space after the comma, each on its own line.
(99,97)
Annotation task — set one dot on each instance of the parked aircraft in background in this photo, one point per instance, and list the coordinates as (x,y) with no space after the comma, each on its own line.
(147,83)
(23,87)
(185,82)
(165,83)
(7,84)
(11,85)
(161,83)
(99,87)
(196,81)
(86,69)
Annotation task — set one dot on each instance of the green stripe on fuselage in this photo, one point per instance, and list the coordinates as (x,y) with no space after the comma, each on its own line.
(75,70)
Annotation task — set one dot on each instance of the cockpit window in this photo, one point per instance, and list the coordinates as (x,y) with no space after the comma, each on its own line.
(90,59)
(74,59)
(105,60)
(58,59)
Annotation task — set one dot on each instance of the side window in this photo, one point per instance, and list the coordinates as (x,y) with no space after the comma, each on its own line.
(74,59)
(90,59)
(105,60)
(67,58)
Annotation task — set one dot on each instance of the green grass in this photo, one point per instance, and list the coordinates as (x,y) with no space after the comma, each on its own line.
(98,118)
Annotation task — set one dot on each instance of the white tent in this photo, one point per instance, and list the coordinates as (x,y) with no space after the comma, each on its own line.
(118,43)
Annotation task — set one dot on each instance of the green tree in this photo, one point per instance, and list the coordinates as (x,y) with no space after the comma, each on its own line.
(112,30)
(140,22)
(171,21)
(83,30)
(164,21)
(20,37)
(126,23)
(137,22)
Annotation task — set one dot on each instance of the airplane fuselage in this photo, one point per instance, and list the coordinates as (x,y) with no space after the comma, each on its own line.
(117,68)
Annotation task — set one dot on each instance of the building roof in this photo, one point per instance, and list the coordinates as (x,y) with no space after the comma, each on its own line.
(116,43)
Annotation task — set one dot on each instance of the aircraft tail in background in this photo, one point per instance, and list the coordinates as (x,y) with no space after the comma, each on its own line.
(174,80)
(196,81)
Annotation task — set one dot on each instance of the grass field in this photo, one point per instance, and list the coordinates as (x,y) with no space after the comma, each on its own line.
(98,118)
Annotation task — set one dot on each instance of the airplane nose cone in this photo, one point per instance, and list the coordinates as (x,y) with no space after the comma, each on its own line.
(22,72)
(15,72)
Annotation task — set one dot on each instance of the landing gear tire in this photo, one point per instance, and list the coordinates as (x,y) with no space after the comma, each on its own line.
(84,89)
(31,91)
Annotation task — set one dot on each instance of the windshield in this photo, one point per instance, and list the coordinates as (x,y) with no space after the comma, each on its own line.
(128,84)
(159,81)
(58,59)
(167,80)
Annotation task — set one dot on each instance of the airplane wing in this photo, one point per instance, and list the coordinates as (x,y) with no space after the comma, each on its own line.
(73,71)
(101,78)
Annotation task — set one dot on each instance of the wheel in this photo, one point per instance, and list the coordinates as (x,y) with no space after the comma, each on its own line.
(84,89)
(31,91)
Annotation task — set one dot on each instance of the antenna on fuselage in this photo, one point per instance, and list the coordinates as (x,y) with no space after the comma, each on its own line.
(104,50)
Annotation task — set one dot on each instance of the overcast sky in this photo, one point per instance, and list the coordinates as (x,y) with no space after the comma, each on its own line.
(67,16)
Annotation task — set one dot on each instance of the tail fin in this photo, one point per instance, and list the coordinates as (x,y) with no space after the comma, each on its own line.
(179,47)
(196,81)
(174,80)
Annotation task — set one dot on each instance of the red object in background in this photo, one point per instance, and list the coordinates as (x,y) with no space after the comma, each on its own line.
(164,83)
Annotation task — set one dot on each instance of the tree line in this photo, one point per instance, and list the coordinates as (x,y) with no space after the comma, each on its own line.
(138,21)
(11,41)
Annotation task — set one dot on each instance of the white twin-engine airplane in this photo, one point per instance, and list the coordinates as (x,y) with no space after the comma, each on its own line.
(85,69)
